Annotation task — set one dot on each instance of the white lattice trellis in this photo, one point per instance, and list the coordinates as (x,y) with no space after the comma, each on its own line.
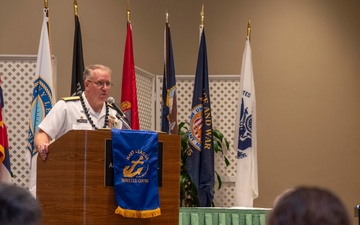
(18,73)
(145,87)
(223,96)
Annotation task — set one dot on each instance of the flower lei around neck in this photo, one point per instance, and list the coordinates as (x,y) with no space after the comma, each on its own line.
(88,114)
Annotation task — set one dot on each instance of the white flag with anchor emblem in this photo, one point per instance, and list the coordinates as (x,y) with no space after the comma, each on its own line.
(246,186)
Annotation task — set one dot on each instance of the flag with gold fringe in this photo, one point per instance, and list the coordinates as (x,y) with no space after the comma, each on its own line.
(135,159)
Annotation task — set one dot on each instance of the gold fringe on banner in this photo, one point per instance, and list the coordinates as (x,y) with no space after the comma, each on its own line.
(137,214)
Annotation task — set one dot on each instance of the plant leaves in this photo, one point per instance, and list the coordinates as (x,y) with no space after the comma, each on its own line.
(188,191)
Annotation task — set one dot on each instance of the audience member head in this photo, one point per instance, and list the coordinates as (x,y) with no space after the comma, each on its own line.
(18,206)
(308,206)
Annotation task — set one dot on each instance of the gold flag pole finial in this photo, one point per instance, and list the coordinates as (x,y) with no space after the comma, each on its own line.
(76,12)
(248,33)
(202,14)
(128,11)
(167,17)
(46,4)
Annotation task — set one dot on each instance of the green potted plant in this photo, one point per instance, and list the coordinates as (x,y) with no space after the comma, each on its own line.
(188,194)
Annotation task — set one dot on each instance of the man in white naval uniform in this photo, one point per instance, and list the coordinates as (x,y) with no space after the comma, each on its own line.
(86,112)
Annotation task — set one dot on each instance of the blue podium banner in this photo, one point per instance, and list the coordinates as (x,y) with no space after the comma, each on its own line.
(135,159)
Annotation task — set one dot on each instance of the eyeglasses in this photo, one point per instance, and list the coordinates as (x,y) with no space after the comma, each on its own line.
(102,83)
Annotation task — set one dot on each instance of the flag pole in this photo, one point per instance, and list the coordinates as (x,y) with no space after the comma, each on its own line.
(128,12)
(46,9)
(202,15)
(201,27)
(248,33)
(76,12)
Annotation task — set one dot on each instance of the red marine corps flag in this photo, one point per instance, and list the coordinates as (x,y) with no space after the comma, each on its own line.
(129,96)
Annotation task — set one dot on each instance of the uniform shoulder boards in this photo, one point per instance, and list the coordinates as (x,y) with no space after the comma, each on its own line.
(71,98)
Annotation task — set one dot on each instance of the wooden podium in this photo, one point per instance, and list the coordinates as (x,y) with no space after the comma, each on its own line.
(71,187)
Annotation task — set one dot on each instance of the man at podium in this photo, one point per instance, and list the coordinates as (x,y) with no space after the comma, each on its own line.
(89,111)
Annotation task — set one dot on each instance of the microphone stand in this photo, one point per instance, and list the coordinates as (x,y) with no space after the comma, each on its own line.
(124,121)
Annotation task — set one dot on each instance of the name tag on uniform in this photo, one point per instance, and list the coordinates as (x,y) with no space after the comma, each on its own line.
(81,120)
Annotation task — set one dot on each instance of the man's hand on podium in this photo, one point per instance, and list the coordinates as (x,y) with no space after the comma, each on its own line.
(41,141)
(43,150)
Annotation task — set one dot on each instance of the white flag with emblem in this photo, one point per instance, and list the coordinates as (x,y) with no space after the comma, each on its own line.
(43,97)
(245,143)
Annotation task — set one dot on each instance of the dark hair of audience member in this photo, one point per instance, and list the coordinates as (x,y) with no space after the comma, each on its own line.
(308,206)
(18,206)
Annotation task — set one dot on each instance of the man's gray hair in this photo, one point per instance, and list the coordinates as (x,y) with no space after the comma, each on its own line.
(88,70)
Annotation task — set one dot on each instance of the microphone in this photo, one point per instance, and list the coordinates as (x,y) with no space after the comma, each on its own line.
(111,101)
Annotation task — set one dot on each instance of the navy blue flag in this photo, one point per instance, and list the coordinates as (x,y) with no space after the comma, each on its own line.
(200,160)
(135,159)
(169,104)
(77,84)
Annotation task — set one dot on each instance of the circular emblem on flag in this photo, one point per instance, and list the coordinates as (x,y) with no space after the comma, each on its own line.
(41,103)
(137,164)
(196,125)
(245,132)
(248,123)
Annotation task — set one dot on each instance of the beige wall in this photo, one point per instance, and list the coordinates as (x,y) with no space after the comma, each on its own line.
(306,64)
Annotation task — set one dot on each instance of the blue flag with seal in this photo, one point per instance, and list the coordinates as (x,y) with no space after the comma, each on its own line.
(135,159)
(200,159)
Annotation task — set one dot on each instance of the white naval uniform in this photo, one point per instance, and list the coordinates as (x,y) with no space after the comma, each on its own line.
(70,115)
